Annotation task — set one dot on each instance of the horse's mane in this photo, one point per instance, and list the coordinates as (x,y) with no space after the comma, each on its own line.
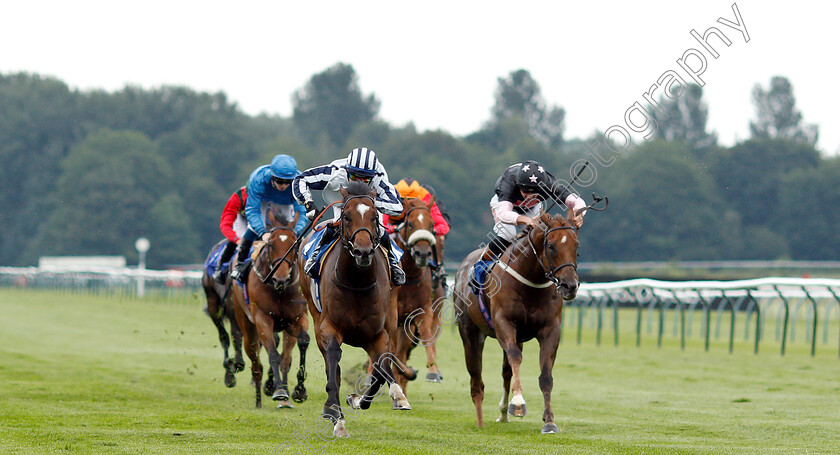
(356,188)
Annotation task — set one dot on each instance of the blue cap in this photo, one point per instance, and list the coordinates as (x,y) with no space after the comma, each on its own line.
(284,167)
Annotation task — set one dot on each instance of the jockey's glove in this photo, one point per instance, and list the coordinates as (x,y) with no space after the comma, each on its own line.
(311,210)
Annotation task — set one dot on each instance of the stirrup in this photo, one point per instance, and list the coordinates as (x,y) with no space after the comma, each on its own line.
(234,274)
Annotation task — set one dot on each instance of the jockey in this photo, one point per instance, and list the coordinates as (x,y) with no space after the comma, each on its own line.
(520,191)
(360,165)
(410,188)
(233,225)
(268,184)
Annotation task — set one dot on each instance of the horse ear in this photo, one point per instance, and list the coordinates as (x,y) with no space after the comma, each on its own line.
(270,217)
(570,215)
(373,193)
(431,201)
(343,192)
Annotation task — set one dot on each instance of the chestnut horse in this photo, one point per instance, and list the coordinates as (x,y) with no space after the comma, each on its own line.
(219,308)
(357,305)
(276,306)
(418,321)
(524,295)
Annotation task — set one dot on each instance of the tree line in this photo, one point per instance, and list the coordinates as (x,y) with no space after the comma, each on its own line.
(88,172)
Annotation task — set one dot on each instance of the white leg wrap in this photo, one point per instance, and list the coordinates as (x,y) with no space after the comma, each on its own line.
(395,391)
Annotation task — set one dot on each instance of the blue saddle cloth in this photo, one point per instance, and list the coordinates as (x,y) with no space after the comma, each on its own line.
(213,258)
(479,276)
(478,284)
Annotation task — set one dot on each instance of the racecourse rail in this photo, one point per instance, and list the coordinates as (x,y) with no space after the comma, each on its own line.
(781,305)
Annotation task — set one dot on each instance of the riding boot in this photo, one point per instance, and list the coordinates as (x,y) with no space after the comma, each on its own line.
(397,274)
(227,253)
(309,267)
(494,250)
(241,256)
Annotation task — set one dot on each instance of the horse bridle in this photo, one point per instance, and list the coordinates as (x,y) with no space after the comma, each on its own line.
(402,226)
(551,275)
(280,285)
(348,242)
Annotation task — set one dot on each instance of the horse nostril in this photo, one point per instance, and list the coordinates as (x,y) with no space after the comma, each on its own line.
(357,252)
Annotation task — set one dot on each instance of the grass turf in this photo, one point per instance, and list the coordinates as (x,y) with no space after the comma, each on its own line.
(99,374)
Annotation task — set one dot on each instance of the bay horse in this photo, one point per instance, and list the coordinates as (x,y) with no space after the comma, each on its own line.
(418,322)
(524,296)
(357,305)
(219,308)
(276,306)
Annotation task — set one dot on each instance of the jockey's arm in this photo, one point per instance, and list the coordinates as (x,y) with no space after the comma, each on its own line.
(253,210)
(505,214)
(228,217)
(441,226)
(315,178)
(387,201)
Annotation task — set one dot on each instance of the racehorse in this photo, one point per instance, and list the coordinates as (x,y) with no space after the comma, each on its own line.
(357,304)
(418,322)
(219,308)
(275,306)
(524,296)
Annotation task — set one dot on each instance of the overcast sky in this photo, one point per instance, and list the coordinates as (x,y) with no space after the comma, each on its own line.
(436,63)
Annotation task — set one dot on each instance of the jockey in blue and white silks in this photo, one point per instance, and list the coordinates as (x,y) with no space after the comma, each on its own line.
(334,176)
(360,165)
(269,187)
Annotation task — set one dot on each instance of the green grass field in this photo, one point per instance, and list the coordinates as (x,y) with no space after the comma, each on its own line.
(97,374)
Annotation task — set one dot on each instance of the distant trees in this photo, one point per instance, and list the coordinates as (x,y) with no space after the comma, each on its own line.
(519,97)
(109,185)
(684,119)
(89,172)
(332,104)
(777,116)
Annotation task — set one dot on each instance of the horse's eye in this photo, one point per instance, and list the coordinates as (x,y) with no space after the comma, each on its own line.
(347,218)
(551,247)
(410,225)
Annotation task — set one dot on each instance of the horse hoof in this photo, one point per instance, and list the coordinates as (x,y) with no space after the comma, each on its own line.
(300,395)
(412,373)
(268,388)
(339,431)
(517,410)
(401,404)
(550,428)
(230,379)
(354,401)
(280,395)
(284,404)
(434,377)
(503,418)
(238,366)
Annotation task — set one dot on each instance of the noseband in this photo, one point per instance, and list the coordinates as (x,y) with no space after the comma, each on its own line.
(280,285)
(551,271)
(413,238)
(347,242)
